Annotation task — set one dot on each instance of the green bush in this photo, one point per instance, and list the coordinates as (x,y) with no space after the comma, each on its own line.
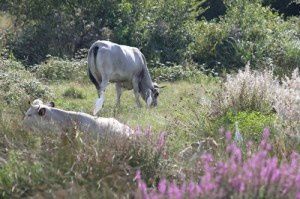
(58,69)
(168,36)
(175,73)
(75,93)
(18,86)
(247,32)
(207,36)
(250,123)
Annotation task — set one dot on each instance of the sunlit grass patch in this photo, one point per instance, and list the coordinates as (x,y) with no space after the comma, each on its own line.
(73,92)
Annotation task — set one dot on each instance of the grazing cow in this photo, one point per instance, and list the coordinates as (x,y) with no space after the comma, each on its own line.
(124,65)
(45,118)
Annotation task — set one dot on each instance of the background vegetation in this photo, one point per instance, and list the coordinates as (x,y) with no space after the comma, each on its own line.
(228,65)
(223,35)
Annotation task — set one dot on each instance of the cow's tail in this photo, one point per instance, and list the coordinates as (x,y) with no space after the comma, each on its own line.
(92,63)
(95,52)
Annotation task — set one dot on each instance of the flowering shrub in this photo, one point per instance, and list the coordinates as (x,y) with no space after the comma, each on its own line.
(257,175)
(147,153)
(248,90)
(254,91)
(287,104)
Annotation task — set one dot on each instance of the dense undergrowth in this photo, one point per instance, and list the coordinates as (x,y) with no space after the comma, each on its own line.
(171,143)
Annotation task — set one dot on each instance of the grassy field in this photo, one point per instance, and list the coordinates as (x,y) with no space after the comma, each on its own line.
(178,112)
(194,107)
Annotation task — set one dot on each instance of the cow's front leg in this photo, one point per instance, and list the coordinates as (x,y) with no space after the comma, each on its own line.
(135,84)
(119,93)
(100,100)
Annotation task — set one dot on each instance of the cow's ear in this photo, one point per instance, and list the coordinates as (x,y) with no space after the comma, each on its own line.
(42,111)
(51,104)
(155,92)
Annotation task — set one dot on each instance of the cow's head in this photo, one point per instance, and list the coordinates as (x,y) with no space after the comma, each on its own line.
(38,117)
(153,95)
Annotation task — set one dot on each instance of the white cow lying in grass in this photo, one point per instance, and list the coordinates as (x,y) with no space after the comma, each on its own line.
(45,118)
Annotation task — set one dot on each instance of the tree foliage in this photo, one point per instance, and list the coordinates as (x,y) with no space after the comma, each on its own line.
(166,31)
(61,28)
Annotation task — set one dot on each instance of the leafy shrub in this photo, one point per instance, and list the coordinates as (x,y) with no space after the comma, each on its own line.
(264,35)
(75,93)
(175,73)
(257,175)
(247,32)
(212,45)
(8,65)
(57,69)
(19,86)
(167,35)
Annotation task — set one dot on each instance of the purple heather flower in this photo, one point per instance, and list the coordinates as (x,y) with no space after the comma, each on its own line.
(174,191)
(275,176)
(192,190)
(266,134)
(161,141)
(297,182)
(143,188)
(235,177)
(228,136)
(137,176)
(162,186)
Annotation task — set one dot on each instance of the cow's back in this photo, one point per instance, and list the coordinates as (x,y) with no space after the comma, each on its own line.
(120,62)
(114,127)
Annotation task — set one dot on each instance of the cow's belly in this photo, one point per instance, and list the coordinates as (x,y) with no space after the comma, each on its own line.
(125,82)
(116,77)
(127,85)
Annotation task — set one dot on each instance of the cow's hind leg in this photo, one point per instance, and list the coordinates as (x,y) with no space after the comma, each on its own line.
(100,100)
